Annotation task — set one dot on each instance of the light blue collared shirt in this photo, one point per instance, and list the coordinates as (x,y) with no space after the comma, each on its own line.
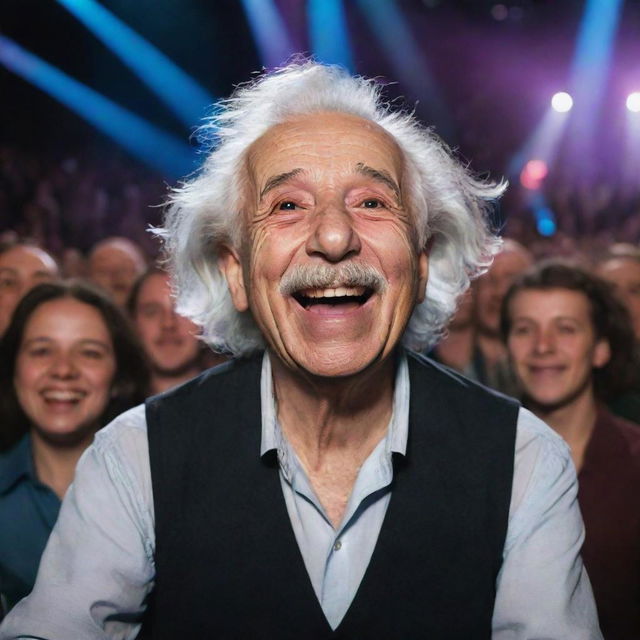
(336,559)
(98,567)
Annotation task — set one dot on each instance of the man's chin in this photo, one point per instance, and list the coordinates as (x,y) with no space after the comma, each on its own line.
(332,363)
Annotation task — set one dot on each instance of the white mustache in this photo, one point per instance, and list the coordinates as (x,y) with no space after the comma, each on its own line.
(323,276)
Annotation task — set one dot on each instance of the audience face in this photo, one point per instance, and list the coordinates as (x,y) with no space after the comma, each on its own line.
(114,267)
(326,189)
(491,288)
(21,269)
(64,370)
(624,274)
(553,346)
(168,338)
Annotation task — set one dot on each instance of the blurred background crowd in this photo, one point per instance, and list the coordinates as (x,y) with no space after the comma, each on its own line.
(100,103)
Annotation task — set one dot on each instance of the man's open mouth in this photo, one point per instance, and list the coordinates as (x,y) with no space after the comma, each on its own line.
(334,296)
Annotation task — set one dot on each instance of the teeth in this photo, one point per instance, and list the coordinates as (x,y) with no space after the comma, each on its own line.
(63,396)
(332,293)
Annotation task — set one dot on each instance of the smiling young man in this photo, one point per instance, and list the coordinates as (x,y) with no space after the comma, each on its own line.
(570,343)
(169,339)
(328,482)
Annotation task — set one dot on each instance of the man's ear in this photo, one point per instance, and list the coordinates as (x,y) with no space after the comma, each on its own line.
(601,354)
(231,266)
(423,270)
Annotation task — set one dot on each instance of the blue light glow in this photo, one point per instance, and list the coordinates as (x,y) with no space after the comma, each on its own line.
(545,218)
(590,69)
(156,148)
(390,28)
(269,32)
(328,31)
(176,89)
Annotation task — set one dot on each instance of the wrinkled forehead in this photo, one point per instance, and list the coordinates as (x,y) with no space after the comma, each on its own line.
(325,145)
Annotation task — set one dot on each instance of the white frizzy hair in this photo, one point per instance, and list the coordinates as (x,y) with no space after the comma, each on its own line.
(448,205)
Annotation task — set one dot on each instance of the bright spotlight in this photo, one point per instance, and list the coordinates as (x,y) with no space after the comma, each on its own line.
(633,101)
(562,101)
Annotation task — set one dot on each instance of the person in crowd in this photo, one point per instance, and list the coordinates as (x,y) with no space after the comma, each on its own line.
(620,267)
(69,363)
(73,263)
(114,264)
(328,480)
(22,266)
(570,342)
(456,348)
(170,340)
(490,357)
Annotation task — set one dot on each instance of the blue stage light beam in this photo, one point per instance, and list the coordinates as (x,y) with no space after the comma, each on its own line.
(406,57)
(589,72)
(328,32)
(269,32)
(181,93)
(153,146)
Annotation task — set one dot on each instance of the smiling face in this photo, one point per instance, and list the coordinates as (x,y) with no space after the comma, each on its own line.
(168,338)
(328,267)
(553,346)
(64,370)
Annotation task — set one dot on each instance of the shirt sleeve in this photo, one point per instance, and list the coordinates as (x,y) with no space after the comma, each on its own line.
(543,590)
(97,569)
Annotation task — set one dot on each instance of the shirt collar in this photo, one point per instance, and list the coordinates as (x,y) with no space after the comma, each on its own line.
(397,434)
(16,463)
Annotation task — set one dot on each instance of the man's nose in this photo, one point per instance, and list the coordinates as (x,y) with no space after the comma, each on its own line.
(544,342)
(333,235)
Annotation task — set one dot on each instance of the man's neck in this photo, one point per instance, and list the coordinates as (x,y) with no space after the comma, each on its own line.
(573,421)
(162,382)
(334,425)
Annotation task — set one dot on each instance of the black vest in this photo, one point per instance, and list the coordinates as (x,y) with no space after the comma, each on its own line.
(227,561)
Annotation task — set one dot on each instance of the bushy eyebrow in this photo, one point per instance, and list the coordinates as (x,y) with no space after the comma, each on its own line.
(380,176)
(377,174)
(277,180)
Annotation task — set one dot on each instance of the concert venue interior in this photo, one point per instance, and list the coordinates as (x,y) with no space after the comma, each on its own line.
(107,95)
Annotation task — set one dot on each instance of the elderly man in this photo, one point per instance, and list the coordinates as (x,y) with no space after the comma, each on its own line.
(334,484)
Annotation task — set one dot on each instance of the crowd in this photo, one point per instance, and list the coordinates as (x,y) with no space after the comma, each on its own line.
(75,352)
(85,338)
(82,345)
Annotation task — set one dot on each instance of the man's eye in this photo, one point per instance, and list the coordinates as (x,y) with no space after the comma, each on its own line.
(372,203)
(287,205)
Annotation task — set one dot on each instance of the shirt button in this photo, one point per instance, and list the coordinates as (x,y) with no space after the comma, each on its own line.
(337,546)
